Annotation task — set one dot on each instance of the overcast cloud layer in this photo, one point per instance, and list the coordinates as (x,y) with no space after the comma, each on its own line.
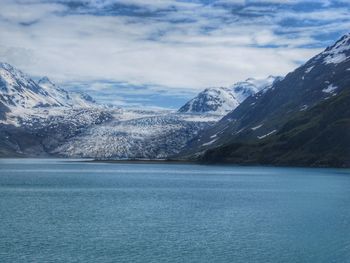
(160,52)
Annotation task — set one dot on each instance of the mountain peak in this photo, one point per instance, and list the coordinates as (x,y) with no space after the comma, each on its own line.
(250,86)
(250,80)
(344,41)
(6,66)
(211,100)
(221,100)
(19,91)
(45,80)
(337,53)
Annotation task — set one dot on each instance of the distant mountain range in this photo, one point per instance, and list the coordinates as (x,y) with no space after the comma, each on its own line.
(43,119)
(297,121)
(301,119)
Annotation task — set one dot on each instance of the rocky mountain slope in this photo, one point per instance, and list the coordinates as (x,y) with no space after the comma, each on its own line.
(265,114)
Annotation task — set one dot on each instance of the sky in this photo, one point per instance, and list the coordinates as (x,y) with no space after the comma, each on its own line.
(160,53)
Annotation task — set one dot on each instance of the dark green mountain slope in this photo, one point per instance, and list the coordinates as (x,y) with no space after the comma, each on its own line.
(319,136)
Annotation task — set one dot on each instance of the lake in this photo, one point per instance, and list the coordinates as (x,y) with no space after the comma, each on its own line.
(70,211)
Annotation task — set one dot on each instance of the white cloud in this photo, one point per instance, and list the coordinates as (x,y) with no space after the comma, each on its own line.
(214,47)
(26,13)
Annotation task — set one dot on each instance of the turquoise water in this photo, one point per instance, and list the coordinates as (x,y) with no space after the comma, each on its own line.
(64,211)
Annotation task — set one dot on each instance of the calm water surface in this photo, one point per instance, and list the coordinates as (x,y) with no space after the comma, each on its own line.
(64,211)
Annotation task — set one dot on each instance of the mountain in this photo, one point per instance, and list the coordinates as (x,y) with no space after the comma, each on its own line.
(211,100)
(264,114)
(223,100)
(18,91)
(35,117)
(318,136)
(302,119)
(42,119)
(60,95)
(65,98)
(82,99)
(40,131)
(249,87)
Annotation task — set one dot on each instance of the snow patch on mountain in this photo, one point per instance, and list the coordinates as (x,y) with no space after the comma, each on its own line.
(257,127)
(210,142)
(309,69)
(330,89)
(266,135)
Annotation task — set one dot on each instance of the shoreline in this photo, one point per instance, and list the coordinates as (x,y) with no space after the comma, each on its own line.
(143,161)
(174,161)
(159,161)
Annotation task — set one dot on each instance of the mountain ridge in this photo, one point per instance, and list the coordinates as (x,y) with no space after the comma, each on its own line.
(264,114)
(317,137)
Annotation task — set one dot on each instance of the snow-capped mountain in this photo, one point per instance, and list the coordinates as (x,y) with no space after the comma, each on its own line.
(35,117)
(266,114)
(18,91)
(65,98)
(223,100)
(82,99)
(250,86)
(338,53)
(212,100)
(42,119)
(61,95)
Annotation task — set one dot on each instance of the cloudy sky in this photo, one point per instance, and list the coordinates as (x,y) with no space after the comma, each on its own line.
(159,53)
